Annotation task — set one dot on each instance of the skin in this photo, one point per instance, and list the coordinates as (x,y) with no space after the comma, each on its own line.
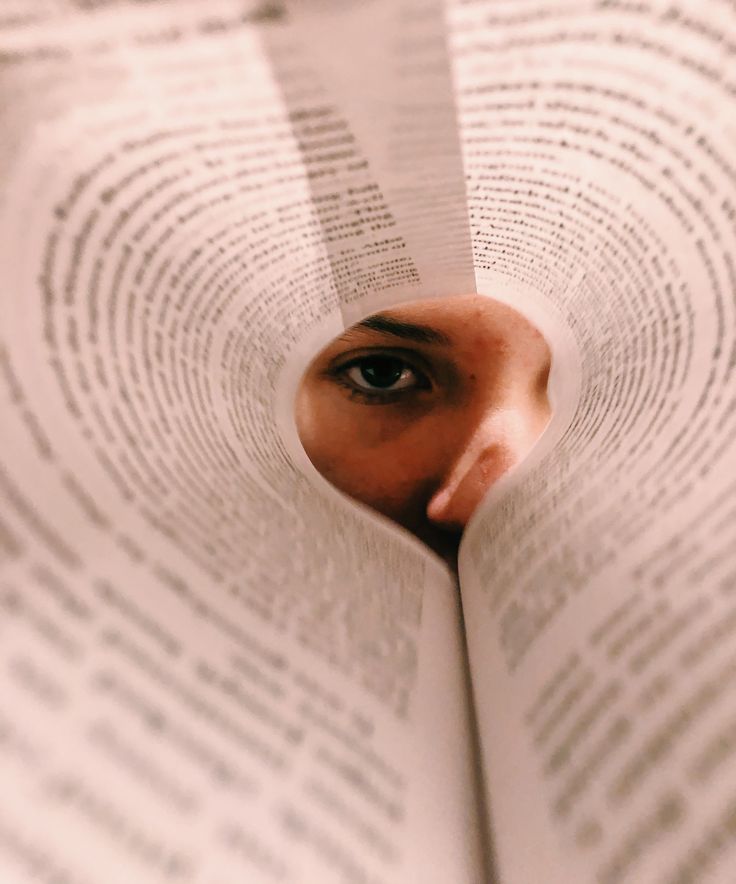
(418,410)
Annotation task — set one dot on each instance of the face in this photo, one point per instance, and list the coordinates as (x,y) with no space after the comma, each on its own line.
(418,410)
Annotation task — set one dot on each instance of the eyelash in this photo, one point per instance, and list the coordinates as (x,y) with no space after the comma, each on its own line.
(340,375)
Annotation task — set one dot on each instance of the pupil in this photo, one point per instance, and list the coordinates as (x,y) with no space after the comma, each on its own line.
(382,371)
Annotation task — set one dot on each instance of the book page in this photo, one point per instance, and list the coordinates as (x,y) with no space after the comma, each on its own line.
(598,581)
(388,66)
(214,668)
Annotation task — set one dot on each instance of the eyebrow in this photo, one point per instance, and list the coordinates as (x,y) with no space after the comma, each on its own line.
(409,331)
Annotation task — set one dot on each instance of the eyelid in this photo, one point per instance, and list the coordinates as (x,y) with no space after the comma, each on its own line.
(409,381)
(412,358)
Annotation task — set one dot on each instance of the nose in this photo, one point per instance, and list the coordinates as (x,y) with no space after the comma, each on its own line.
(500,441)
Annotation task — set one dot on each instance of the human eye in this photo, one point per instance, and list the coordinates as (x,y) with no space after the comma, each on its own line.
(380,378)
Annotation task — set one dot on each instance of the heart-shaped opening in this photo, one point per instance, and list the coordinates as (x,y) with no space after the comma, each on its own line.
(417,410)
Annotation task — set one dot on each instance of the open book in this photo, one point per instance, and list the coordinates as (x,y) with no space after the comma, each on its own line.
(214,667)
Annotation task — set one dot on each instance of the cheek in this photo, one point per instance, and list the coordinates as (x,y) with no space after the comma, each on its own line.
(383,461)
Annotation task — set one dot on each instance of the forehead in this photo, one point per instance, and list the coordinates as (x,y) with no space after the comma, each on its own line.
(447,321)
